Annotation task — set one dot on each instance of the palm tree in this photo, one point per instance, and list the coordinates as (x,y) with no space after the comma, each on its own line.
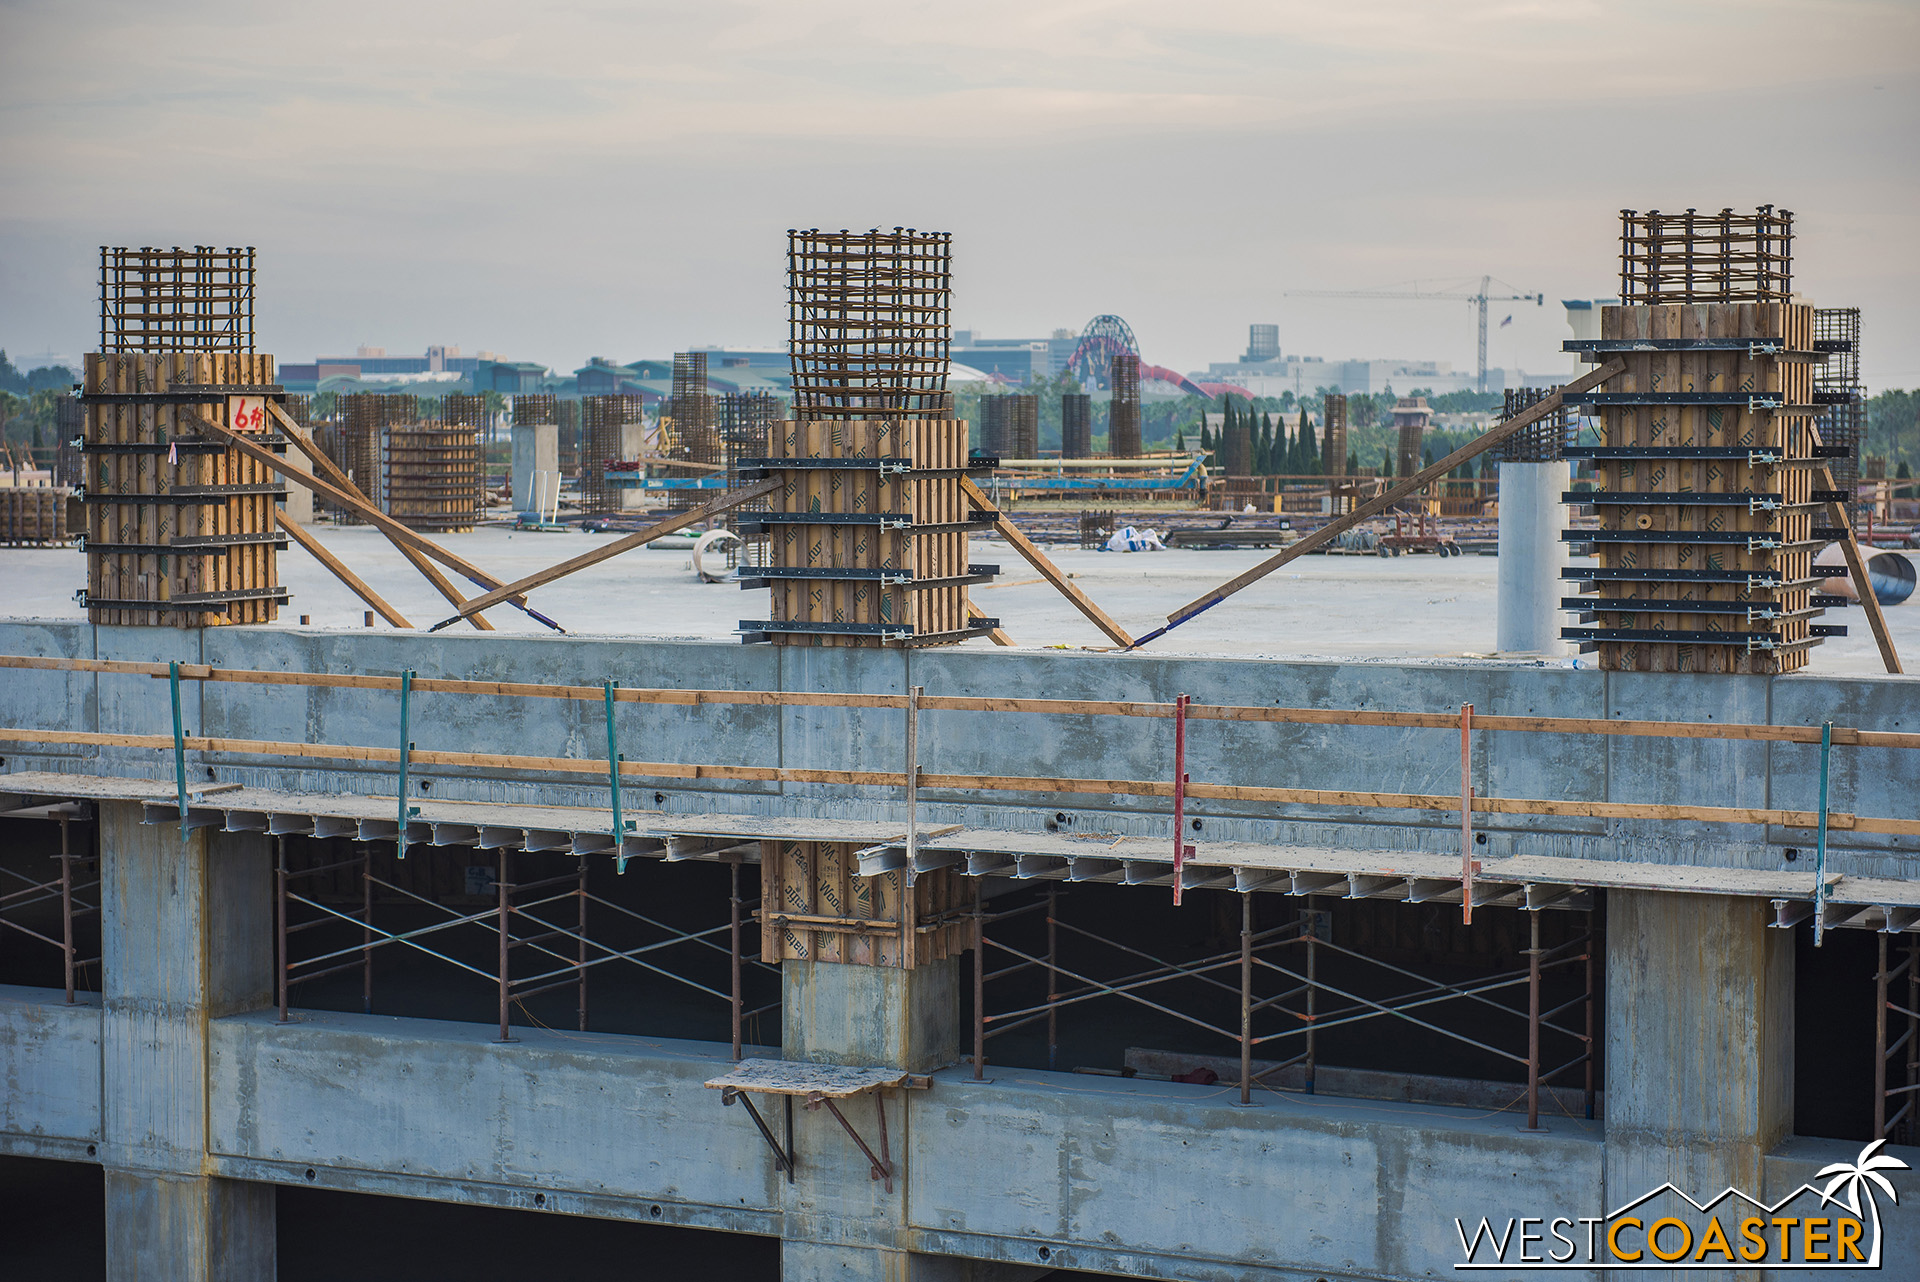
(1862,1175)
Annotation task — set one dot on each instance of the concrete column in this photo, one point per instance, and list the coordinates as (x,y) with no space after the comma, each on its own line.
(187,934)
(1531,558)
(298,505)
(633,443)
(536,448)
(880,1016)
(1699,1045)
(840,1223)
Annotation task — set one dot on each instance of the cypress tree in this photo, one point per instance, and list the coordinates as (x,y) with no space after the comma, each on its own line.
(1386,464)
(1309,448)
(1180,441)
(1206,437)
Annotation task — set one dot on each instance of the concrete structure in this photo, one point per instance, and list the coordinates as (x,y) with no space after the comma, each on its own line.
(1531,557)
(181,1083)
(536,448)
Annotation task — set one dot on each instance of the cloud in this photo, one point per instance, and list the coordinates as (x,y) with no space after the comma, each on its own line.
(615,178)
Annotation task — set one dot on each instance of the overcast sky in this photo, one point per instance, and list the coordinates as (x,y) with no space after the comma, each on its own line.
(566,180)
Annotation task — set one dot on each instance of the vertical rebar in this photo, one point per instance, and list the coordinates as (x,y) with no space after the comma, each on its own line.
(1053,977)
(580,947)
(979,989)
(506,988)
(1593,967)
(909,923)
(733,945)
(366,929)
(1880,1042)
(66,906)
(1246,998)
(280,923)
(1533,1022)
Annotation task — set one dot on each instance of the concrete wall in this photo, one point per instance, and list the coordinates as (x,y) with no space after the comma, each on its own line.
(49,1074)
(1865,780)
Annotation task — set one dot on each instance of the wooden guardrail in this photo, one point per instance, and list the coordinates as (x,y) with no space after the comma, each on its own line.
(1839,735)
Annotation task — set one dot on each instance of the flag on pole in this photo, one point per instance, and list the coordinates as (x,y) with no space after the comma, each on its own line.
(1508,321)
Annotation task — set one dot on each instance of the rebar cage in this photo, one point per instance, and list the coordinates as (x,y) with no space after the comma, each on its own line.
(1706,258)
(869,329)
(176,300)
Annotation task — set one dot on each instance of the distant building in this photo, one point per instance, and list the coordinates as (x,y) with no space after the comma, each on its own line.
(509,378)
(1015,360)
(600,377)
(435,360)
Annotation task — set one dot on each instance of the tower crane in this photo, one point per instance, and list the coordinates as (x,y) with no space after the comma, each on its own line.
(1480,297)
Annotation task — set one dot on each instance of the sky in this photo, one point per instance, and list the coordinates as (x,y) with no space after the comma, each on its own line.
(564,180)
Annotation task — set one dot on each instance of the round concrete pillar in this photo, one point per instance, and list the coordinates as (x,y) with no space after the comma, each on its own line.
(1531,558)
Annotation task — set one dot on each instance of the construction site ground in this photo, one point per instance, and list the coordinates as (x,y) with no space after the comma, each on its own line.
(1347,607)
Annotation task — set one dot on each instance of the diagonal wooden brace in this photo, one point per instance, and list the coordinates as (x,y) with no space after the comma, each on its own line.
(322,464)
(1038,560)
(1391,495)
(678,521)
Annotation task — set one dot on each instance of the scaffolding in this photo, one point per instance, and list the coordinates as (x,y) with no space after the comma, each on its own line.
(543,928)
(1836,384)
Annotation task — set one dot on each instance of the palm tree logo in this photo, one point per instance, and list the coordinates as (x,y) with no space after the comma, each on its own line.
(1861,1176)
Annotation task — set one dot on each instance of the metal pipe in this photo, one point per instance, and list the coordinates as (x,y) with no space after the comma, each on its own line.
(1246,999)
(406,748)
(1468,865)
(366,932)
(280,918)
(1313,988)
(1053,978)
(1533,1024)
(1180,848)
(506,987)
(733,935)
(66,906)
(1593,950)
(1820,851)
(979,991)
(580,948)
(1880,1042)
(1913,1023)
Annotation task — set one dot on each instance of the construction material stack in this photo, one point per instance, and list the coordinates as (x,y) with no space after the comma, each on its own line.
(180,526)
(869,529)
(1704,481)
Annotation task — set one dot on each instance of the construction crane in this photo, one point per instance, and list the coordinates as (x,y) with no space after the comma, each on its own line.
(1480,296)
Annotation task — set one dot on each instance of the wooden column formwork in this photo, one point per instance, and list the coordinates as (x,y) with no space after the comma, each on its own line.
(466,410)
(891,541)
(430,476)
(1726,463)
(172,515)
(817,907)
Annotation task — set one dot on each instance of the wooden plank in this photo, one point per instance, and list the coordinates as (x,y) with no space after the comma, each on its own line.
(346,576)
(833,869)
(1391,495)
(678,521)
(322,463)
(1048,570)
(1857,568)
(1726,731)
(366,511)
